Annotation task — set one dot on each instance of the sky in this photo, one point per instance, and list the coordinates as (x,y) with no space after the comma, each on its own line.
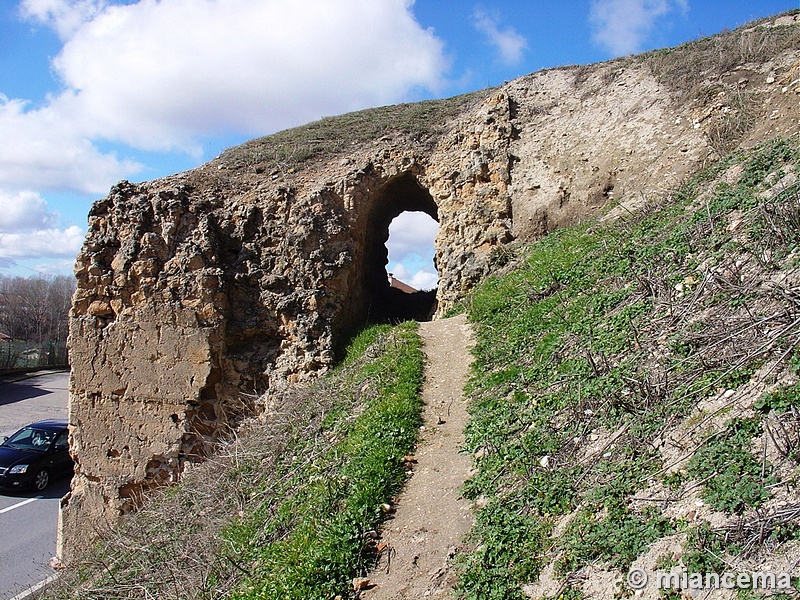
(95,91)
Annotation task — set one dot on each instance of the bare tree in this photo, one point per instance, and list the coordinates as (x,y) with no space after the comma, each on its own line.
(35,310)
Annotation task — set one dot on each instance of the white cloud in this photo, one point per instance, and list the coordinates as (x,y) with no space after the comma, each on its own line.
(411,252)
(400,272)
(157,75)
(45,148)
(29,229)
(508,42)
(64,16)
(411,233)
(22,211)
(61,243)
(422,279)
(622,26)
(164,75)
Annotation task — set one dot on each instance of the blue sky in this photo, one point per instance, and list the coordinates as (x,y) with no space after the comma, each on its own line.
(94,91)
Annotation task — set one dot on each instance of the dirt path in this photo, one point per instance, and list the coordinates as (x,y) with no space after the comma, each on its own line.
(426,530)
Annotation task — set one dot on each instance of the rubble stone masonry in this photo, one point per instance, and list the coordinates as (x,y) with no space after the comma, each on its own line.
(202,293)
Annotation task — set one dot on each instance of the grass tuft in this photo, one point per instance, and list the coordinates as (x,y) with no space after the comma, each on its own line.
(286,151)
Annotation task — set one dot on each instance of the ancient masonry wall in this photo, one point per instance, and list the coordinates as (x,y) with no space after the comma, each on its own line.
(202,293)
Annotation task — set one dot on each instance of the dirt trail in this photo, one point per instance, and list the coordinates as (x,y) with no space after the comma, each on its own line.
(427,529)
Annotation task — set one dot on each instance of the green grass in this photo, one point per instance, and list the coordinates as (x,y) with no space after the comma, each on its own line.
(780,400)
(287,150)
(337,498)
(736,478)
(287,509)
(564,359)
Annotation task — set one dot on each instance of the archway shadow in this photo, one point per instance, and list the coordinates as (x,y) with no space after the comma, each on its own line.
(394,306)
(384,303)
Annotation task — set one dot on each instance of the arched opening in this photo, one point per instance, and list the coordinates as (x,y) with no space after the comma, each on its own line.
(412,262)
(388,302)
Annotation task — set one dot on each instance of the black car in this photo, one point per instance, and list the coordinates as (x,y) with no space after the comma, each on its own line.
(35,455)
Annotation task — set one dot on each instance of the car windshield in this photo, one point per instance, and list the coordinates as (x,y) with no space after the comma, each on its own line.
(31,439)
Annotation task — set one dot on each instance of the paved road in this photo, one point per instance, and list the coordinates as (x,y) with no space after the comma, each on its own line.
(27,399)
(28,521)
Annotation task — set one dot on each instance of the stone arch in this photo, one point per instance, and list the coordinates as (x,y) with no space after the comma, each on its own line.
(399,194)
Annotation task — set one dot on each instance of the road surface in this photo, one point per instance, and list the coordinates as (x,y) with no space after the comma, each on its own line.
(28,521)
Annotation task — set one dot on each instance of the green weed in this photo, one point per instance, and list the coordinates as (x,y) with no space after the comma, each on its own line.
(337,498)
(565,395)
(287,150)
(735,478)
(780,400)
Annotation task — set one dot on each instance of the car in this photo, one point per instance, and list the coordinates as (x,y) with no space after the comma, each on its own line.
(35,455)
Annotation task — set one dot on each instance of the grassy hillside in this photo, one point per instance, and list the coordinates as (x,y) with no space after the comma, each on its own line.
(287,150)
(634,402)
(635,391)
(287,509)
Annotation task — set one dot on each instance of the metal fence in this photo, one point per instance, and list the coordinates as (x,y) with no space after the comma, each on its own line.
(17,355)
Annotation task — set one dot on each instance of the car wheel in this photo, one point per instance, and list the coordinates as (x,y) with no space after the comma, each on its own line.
(41,479)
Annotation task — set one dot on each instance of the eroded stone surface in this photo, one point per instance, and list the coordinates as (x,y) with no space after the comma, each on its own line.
(201,292)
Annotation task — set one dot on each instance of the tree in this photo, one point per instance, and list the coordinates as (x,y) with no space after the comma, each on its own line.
(35,310)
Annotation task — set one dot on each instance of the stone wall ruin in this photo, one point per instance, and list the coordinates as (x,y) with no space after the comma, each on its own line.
(201,293)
